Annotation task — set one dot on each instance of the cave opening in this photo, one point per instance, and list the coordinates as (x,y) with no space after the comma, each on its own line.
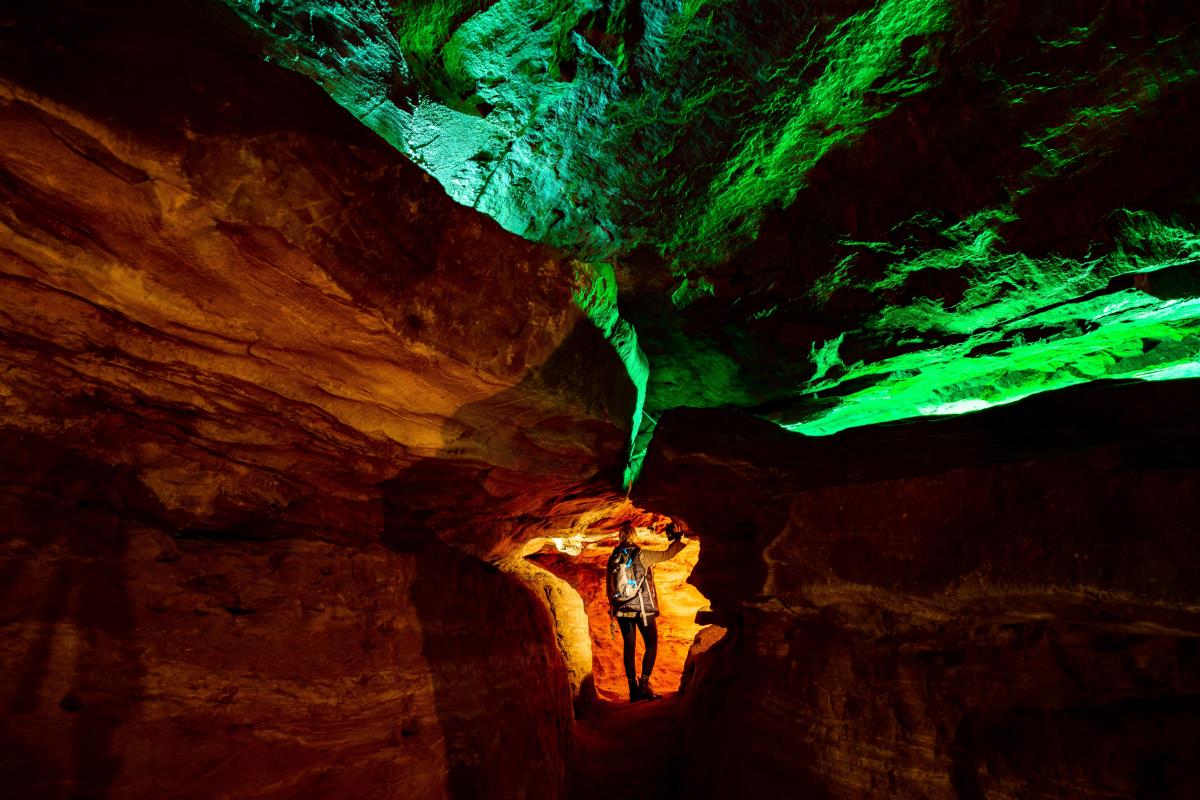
(579,561)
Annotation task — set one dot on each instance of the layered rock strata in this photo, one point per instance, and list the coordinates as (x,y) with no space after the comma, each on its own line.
(141,664)
(279,415)
(998,605)
(264,388)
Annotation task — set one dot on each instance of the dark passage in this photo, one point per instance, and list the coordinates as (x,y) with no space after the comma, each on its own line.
(634,750)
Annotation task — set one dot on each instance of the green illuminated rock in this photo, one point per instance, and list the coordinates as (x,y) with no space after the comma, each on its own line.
(598,297)
(832,213)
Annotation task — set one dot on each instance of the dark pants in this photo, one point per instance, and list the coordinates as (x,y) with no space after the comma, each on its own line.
(649,631)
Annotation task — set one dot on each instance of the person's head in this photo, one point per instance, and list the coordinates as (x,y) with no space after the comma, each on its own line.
(627,532)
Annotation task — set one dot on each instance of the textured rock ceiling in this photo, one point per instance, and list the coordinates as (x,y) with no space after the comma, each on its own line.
(831,213)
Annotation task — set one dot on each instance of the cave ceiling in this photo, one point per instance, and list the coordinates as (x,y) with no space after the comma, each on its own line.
(830,213)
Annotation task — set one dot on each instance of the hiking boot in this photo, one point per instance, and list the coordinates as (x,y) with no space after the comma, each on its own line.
(644,691)
(635,692)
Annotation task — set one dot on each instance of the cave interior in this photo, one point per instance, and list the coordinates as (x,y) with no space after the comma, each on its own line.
(339,338)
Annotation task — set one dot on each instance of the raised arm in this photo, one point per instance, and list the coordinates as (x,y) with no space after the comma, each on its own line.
(651,557)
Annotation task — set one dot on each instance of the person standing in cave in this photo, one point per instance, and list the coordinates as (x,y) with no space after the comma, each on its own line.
(633,601)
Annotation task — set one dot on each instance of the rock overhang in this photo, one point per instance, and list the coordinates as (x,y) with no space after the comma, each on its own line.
(270,316)
(832,214)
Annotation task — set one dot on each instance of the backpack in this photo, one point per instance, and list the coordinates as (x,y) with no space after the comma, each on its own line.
(626,575)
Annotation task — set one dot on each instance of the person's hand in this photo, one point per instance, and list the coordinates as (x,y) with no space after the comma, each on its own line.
(673,534)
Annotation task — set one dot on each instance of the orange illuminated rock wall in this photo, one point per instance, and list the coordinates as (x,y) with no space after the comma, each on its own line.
(280,422)
(267,312)
(679,602)
(255,419)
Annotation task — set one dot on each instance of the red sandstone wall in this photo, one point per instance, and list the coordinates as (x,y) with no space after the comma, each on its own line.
(933,611)
(136,665)
(248,393)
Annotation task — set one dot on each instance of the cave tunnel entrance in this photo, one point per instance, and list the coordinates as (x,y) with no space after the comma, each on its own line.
(580,561)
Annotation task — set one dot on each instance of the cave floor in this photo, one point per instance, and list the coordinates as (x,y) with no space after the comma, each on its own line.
(634,749)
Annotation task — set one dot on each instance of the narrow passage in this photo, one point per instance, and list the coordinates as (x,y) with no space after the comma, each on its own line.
(628,750)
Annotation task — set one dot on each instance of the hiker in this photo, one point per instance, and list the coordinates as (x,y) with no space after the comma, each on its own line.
(633,600)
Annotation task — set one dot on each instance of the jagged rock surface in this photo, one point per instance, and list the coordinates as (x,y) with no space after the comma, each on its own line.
(834,213)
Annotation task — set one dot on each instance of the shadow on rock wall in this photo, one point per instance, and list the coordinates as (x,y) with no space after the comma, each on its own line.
(74,671)
(555,447)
